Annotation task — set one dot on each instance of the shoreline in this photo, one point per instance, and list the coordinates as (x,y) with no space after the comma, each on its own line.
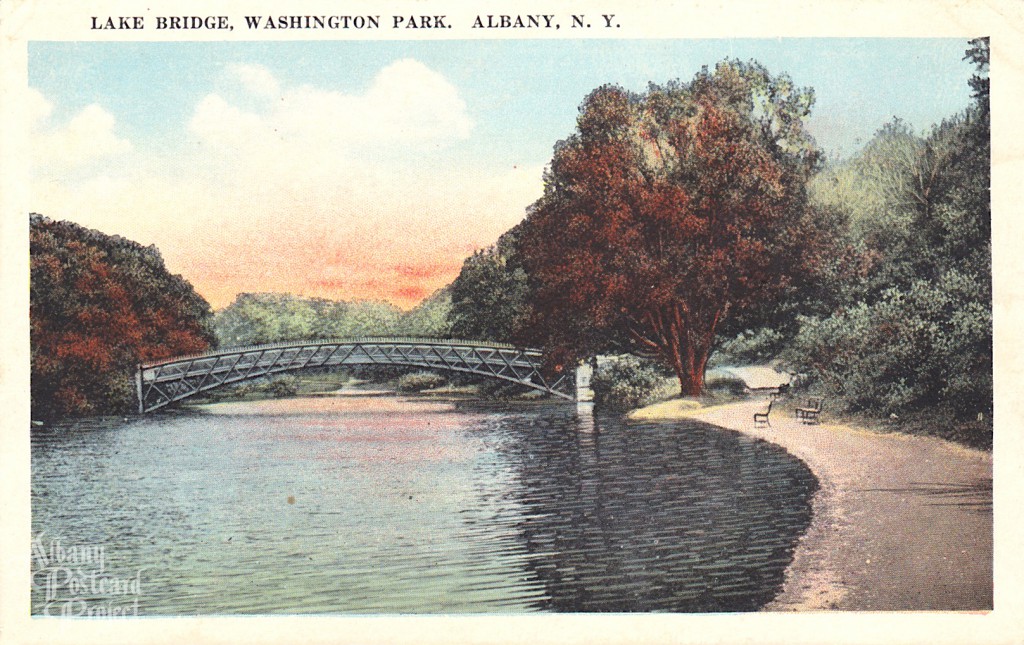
(900,522)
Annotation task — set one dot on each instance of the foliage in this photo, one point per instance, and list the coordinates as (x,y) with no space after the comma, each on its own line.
(419,381)
(915,205)
(978,53)
(429,319)
(751,347)
(913,326)
(499,390)
(489,296)
(284,386)
(625,383)
(99,306)
(280,386)
(667,213)
(255,318)
(723,383)
(925,346)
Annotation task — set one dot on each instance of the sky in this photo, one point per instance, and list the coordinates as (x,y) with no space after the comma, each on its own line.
(371,170)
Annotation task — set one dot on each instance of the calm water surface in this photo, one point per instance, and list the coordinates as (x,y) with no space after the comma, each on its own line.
(366,504)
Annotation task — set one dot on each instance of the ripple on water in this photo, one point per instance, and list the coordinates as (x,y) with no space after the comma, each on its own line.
(389,505)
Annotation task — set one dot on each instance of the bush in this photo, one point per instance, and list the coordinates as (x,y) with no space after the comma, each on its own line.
(278,387)
(722,382)
(494,389)
(283,386)
(626,383)
(750,347)
(925,347)
(247,388)
(419,381)
(378,373)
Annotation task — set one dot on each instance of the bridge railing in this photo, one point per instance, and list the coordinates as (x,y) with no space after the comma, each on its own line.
(284,344)
(161,383)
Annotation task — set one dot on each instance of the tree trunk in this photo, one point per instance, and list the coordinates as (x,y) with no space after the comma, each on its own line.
(689,357)
(688,361)
(684,349)
(693,383)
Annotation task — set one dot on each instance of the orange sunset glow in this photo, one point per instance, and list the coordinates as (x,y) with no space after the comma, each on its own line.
(293,189)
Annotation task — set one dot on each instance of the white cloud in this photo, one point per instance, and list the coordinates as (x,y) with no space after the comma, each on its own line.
(314,192)
(408,100)
(407,103)
(223,126)
(255,78)
(88,136)
(346,160)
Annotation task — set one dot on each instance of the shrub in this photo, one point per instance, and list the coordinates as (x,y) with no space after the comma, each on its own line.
(498,390)
(283,386)
(419,381)
(925,347)
(626,383)
(378,373)
(750,347)
(722,382)
(246,388)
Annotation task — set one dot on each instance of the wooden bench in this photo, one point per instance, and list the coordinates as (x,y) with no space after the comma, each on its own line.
(810,414)
(761,418)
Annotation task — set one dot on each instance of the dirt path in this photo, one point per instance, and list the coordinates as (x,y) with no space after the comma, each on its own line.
(900,522)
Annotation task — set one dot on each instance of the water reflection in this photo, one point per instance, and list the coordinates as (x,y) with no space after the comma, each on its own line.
(389,505)
(633,517)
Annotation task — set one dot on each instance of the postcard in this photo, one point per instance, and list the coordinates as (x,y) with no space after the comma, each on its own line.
(548,322)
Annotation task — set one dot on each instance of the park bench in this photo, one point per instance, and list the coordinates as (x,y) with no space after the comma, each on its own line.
(811,413)
(761,418)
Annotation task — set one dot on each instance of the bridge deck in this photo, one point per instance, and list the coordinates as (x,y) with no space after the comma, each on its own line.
(163,382)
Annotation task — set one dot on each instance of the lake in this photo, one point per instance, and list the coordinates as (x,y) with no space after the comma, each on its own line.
(367,504)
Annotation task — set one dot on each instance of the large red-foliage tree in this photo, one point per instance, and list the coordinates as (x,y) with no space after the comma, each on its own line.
(668,212)
(100,305)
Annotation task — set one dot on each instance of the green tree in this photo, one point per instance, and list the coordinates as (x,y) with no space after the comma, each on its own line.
(255,318)
(429,319)
(925,346)
(489,297)
(978,53)
(914,327)
(329,318)
(372,318)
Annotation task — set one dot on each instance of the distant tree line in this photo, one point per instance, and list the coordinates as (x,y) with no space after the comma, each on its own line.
(99,306)
(255,318)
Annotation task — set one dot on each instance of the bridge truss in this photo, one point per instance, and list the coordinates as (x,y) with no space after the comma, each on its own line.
(168,381)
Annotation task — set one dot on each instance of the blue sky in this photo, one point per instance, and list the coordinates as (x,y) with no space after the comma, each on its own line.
(165,114)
